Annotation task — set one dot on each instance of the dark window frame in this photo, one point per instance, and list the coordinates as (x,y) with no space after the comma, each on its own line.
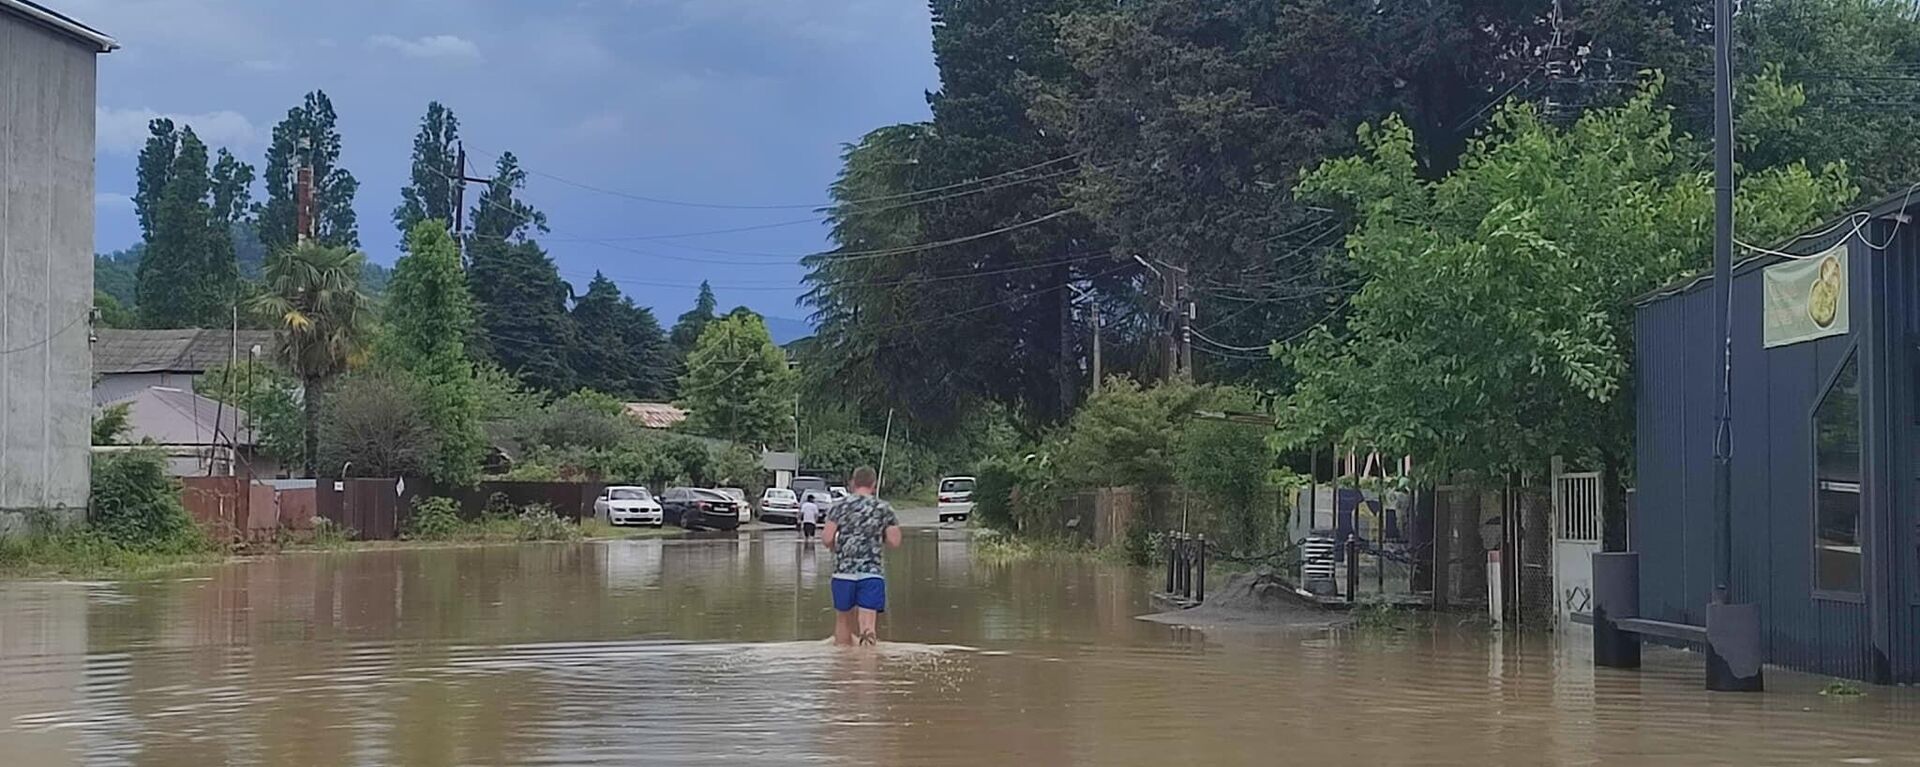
(1832,379)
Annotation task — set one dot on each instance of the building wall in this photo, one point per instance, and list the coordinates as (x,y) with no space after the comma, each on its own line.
(46,269)
(1774,394)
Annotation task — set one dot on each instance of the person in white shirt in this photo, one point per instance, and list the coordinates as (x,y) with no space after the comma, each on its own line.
(809,515)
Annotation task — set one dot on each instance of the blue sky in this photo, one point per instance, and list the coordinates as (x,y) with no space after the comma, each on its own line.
(741,102)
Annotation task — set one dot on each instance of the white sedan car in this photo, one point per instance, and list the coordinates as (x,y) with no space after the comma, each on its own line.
(628,505)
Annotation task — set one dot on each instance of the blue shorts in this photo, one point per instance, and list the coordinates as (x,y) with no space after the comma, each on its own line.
(870,593)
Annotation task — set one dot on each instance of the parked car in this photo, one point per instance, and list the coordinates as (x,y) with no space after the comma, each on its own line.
(806,484)
(739,496)
(628,505)
(838,493)
(779,506)
(697,509)
(956,499)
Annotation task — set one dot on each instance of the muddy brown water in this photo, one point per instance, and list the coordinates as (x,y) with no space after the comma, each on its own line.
(709,652)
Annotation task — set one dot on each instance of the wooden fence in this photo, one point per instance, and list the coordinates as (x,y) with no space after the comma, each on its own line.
(378,509)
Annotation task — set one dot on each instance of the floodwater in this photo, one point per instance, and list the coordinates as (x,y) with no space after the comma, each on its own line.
(710,652)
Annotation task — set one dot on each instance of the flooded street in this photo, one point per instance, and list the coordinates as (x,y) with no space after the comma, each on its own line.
(710,651)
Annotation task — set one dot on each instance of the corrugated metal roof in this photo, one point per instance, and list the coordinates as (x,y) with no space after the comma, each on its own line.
(169,416)
(656,415)
(60,22)
(189,350)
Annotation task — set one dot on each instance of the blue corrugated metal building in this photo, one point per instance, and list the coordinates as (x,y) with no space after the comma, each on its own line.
(1826,456)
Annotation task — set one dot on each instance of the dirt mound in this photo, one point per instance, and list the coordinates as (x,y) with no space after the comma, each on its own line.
(1258,599)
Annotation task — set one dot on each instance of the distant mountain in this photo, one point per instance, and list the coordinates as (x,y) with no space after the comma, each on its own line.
(786,331)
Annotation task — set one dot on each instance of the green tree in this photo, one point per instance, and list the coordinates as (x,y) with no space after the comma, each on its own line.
(308,135)
(118,273)
(1494,327)
(499,215)
(378,424)
(522,303)
(687,329)
(312,299)
(270,398)
(430,193)
(427,324)
(618,348)
(113,314)
(187,277)
(737,386)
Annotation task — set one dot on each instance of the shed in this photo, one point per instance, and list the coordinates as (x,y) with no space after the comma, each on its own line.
(1825,446)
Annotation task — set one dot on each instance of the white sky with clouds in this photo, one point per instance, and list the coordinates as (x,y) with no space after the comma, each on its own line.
(720,101)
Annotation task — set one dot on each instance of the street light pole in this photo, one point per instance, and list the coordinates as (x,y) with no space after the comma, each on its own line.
(1734,653)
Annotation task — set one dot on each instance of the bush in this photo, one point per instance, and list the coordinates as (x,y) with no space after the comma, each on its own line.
(994,482)
(433,519)
(330,534)
(739,467)
(137,506)
(539,523)
(378,423)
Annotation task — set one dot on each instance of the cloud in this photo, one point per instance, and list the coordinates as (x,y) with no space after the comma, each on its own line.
(600,126)
(112,202)
(124,131)
(436,47)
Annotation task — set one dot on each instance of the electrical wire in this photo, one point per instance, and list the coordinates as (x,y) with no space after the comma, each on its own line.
(49,337)
(803,206)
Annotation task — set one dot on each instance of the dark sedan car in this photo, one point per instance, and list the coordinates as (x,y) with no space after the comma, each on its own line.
(696,509)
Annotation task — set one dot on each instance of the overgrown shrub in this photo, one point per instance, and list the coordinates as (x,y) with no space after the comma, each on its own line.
(993,487)
(330,534)
(376,424)
(137,506)
(736,466)
(499,506)
(433,519)
(539,523)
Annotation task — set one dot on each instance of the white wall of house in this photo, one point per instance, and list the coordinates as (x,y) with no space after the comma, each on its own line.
(46,267)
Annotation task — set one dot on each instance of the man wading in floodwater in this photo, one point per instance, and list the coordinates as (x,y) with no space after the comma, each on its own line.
(859,530)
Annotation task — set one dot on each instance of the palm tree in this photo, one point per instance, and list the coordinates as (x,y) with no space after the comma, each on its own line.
(312,298)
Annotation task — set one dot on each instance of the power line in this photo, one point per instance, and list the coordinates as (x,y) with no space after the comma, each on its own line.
(825,205)
(49,337)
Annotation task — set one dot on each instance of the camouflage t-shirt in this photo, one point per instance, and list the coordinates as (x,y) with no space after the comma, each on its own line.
(861,535)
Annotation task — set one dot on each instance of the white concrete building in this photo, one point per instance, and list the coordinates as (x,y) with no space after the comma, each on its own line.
(47,80)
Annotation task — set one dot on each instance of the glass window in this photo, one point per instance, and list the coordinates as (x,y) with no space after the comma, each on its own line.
(1837,497)
(627,494)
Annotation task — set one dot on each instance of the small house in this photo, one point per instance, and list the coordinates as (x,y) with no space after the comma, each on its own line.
(198,436)
(125,362)
(1824,440)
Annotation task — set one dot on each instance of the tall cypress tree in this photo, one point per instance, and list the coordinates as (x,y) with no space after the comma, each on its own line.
(521,300)
(687,329)
(429,192)
(188,277)
(310,125)
(429,317)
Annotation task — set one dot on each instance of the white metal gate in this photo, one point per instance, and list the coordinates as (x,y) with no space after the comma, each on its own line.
(1577,502)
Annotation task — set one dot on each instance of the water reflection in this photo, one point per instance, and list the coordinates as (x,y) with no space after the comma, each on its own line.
(708,651)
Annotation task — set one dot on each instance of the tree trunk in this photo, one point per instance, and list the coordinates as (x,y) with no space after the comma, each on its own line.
(311,395)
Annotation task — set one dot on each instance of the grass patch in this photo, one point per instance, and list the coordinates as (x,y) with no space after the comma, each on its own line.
(596,530)
(1378,616)
(1841,688)
(1000,549)
(82,551)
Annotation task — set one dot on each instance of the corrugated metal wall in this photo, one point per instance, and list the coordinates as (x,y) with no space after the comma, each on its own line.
(1903,540)
(1775,391)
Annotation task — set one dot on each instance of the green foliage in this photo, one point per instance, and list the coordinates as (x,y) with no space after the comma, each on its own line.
(117,274)
(995,482)
(433,519)
(687,329)
(328,534)
(187,276)
(1226,466)
(313,300)
(1129,435)
(736,466)
(311,124)
(618,346)
(1494,326)
(110,426)
(499,215)
(271,400)
(522,311)
(137,506)
(378,423)
(1841,688)
(112,313)
(737,386)
(539,523)
(53,549)
(427,326)
(429,194)
(583,419)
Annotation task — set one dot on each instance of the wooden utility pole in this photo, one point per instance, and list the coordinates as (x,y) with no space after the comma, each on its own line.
(1093,319)
(303,197)
(460,179)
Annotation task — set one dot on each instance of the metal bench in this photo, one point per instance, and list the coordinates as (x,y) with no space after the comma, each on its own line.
(1684,632)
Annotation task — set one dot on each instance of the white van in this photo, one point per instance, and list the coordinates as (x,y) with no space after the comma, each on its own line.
(956,499)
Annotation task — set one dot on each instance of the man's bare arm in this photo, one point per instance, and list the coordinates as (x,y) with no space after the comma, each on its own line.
(831,535)
(893,536)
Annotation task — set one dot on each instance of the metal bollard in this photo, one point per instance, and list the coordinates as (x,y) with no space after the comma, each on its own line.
(1353,567)
(1186,566)
(1200,557)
